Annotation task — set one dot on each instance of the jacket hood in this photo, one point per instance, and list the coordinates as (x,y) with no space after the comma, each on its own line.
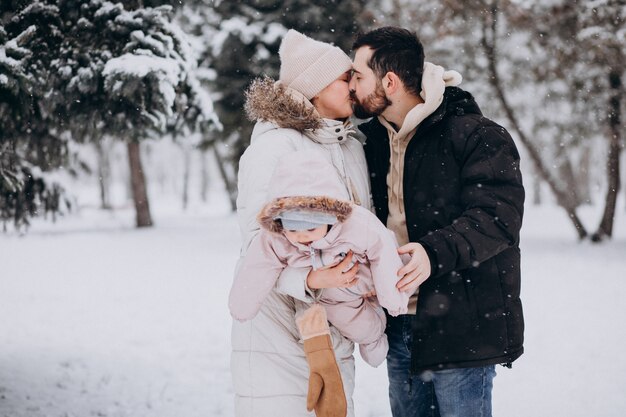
(304,181)
(455,102)
(271,101)
(458,102)
(434,81)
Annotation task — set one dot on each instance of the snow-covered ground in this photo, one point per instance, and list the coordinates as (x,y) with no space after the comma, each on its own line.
(100,319)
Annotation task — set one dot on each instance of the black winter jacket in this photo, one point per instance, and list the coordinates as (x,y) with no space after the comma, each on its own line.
(463,199)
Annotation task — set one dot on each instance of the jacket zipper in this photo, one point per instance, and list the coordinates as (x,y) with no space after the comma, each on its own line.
(312,255)
(315,258)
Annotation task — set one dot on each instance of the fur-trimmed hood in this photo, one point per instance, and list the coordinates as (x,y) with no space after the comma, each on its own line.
(304,181)
(339,208)
(268,100)
(281,111)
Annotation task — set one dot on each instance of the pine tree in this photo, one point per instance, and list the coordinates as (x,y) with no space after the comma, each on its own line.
(105,70)
(28,146)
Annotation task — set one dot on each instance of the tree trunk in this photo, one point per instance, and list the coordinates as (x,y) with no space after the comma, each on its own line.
(536,190)
(138,184)
(563,199)
(605,230)
(584,178)
(231,184)
(104,172)
(186,169)
(567,176)
(204,176)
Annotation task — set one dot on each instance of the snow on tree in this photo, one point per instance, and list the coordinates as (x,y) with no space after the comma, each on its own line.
(115,72)
(27,146)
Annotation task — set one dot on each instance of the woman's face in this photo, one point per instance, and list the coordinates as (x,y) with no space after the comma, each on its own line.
(334,101)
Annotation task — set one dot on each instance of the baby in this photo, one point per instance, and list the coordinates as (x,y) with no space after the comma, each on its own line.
(310,223)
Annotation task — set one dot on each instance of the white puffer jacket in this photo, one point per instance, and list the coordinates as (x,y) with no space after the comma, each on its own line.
(269,369)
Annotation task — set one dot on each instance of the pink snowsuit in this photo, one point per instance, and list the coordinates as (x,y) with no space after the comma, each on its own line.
(306,181)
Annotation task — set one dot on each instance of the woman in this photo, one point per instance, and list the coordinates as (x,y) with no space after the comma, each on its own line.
(306,109)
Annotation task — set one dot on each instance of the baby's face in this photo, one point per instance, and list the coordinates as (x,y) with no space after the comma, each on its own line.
(306,237)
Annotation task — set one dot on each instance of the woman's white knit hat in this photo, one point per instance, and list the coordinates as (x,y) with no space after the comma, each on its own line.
(307,65)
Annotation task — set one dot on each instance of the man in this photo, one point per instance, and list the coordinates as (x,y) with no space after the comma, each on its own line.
(446,180)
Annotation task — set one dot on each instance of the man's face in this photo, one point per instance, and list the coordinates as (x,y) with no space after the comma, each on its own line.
(366,89)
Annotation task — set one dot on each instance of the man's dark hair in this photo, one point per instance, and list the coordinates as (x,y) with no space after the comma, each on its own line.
(397,50)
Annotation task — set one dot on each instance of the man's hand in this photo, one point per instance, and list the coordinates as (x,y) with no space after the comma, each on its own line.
(334,277)
(416,271)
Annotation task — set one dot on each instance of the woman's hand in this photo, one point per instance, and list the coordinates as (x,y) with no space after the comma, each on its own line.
(334,277)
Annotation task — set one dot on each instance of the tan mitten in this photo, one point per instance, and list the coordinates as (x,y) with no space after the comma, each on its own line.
(326,395)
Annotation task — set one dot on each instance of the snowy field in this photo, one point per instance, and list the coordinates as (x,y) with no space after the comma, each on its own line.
(100,319)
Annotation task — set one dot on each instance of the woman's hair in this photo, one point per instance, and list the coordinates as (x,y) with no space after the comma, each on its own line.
(396,50)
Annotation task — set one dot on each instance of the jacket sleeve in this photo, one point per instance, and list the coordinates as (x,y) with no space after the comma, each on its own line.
(492,197)
(255,171)
(254,279)
(292,282)
(382,253)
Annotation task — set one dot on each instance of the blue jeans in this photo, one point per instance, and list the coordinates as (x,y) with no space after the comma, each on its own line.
(461,392)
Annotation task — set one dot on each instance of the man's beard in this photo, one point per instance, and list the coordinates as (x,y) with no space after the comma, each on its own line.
(373,105)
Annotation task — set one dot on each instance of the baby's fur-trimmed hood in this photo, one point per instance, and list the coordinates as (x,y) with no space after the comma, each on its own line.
(321,204)
(268,100)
